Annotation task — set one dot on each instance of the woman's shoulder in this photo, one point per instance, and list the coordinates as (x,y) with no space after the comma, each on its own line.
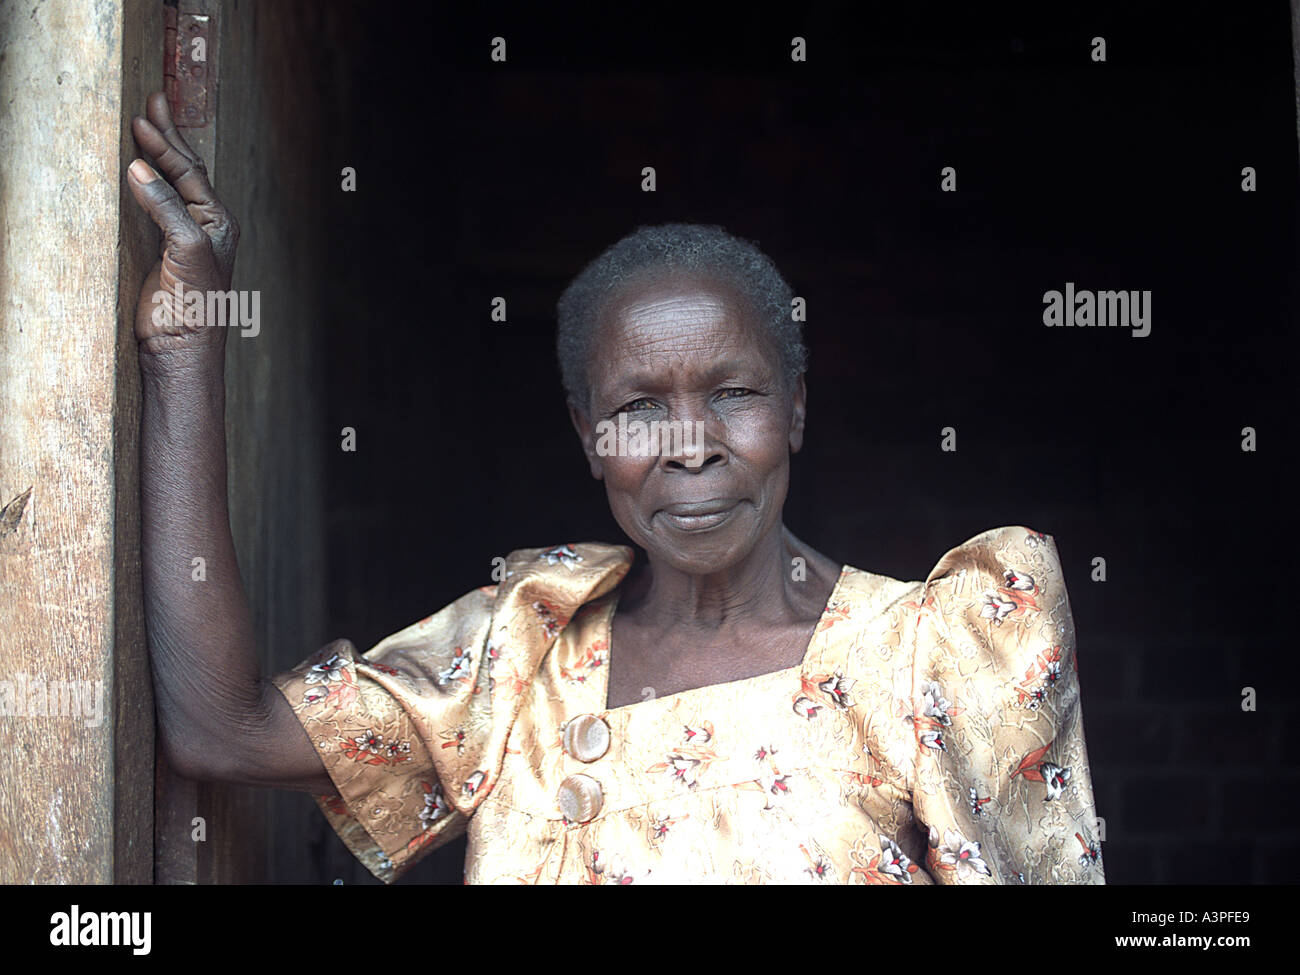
(998,598)
(562,578)
(990,576)
(561,563)
(531,588)
(1006,574)
(997,551)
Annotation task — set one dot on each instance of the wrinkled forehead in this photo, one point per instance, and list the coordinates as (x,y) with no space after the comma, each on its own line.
(674,316)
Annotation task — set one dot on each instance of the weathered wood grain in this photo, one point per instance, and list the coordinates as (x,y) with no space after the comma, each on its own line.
(61,81)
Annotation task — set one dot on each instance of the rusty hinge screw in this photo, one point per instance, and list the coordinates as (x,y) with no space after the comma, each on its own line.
(186,80)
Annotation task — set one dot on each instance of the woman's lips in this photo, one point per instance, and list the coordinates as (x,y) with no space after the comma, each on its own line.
(694,516)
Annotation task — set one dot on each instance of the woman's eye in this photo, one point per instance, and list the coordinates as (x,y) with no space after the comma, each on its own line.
(637,404)
(734,393)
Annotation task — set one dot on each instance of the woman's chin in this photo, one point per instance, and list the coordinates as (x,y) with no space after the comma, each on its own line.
(700,551)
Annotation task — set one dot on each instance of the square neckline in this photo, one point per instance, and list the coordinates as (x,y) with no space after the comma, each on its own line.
(608,627)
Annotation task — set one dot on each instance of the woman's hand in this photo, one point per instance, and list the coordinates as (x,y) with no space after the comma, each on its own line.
(199,237)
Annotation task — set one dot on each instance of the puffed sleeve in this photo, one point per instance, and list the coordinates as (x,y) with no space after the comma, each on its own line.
(386,724)
(1002,784)
(413,732)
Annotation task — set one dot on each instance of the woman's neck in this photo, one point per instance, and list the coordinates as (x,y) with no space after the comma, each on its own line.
(761,590)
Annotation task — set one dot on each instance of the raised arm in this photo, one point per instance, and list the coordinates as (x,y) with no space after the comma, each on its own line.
(218,718)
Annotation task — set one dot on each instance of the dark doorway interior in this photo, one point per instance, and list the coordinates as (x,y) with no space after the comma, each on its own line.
(478,180)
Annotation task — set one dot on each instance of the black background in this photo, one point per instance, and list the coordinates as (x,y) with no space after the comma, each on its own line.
(925,310)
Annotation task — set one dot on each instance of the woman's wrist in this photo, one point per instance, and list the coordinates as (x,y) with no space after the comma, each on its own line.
(187,368)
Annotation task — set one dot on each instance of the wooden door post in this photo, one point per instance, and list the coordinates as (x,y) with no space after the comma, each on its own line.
(76,708)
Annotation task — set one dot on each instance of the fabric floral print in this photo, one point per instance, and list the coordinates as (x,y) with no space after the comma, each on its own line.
(931,735)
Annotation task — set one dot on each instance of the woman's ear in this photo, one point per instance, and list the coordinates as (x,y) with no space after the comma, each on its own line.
(582,424)
(797,414)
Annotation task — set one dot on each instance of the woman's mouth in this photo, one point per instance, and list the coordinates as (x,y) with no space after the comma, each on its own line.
(695,516)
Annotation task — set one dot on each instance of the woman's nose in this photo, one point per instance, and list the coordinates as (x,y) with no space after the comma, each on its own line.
(692,448)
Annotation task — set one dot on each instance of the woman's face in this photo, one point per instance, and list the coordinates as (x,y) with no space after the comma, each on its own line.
(685,348)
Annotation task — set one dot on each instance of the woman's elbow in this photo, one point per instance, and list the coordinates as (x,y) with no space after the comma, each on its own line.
(192,754)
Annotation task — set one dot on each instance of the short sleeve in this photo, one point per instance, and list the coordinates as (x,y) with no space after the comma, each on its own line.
(1002,786)
(389,726)
(413,732)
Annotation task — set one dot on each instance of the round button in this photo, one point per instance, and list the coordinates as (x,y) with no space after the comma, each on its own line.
(580,798)
(586,737)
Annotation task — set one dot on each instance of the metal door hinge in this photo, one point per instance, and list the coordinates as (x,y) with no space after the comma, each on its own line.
(187,40)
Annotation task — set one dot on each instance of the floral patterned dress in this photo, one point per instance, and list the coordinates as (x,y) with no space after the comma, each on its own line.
(932,734)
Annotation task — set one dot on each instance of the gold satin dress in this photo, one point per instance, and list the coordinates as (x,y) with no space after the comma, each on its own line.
(931,735)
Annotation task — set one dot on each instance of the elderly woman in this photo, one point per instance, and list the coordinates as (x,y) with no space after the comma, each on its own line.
(742,710)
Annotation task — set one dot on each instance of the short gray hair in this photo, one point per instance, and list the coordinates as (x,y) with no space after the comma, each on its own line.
(697,248)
